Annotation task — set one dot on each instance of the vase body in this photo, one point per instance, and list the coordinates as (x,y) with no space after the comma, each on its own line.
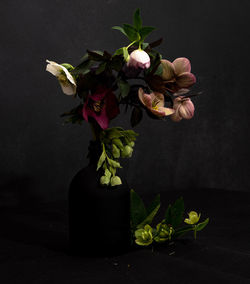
(99,217)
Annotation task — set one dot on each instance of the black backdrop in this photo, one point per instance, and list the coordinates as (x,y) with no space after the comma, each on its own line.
(39,155)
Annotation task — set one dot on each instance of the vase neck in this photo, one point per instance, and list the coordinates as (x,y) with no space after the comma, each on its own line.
(94,152)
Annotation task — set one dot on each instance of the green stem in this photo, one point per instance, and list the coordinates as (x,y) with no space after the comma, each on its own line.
(131,44)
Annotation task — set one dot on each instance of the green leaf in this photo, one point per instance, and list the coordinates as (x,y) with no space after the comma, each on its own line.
(137,19)
(117,62)
(202,225)
(124,88)
(137,209)
(101,159)
(183,231)
(174,213)
(145,31)
(83,68)
(154,204)
(149,218)
(131,32)
(119,51)
(125,53)
(113,163)
(136,116)
(121,29)
(95,55)
(101,68)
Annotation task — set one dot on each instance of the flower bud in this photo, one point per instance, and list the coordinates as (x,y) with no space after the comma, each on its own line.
(193,218)
(144,236)
(184,108)
(115,180)
(139,59)
(127,151)
(115,151)
(104,180)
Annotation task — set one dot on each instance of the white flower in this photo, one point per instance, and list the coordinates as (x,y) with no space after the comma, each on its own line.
(139,59)
(65,79)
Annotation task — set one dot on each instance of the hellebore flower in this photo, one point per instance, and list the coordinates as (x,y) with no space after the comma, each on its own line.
(163,233)
(193,218)
(177,75)
(102,106)
(184,108)
(154,102)
(65,79)
(144,236)
(139,59)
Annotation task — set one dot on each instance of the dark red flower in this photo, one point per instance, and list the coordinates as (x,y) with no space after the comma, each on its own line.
(102,106)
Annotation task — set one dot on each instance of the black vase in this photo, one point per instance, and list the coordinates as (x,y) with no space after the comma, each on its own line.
(99,217)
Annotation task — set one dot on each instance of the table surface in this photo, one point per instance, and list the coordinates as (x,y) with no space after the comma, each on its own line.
(33,246)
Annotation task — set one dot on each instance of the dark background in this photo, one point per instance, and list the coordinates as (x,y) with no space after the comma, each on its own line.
(39,155)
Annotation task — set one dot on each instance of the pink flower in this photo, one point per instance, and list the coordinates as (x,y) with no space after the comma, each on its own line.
(154,102)
(184,108)
(139,59)
(102,106)
(177,75)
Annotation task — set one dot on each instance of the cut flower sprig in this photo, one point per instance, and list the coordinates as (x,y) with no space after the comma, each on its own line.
(116,143)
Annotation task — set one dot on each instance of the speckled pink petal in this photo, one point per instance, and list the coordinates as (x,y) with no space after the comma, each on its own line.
(186,110)
(168,72)
(185,80)
(158,112)
(145,98)
(181,65)
(166,110)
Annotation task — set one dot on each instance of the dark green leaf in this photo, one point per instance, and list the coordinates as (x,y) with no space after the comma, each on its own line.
(149,218)
(121,29)
(154,204)
(131,32)
(116,63)
(124,88)
(119,51)
(101,68)
(174,213)
(156,43)
(145,31)
(83,68)
(95,55)
(182,231)
(202,225)
(136,116)
(137,209)
(137,19)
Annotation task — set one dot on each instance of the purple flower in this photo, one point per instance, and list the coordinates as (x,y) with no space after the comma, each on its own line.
(177,75)
(102,106)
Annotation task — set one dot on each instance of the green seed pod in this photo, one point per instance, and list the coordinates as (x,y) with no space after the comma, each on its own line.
(118,143)
(115,151)
(104,180)
(115,180)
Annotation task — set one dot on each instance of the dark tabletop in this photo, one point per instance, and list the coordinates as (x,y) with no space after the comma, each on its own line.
(33,246)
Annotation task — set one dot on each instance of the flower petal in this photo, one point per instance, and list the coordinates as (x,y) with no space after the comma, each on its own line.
(68,88)
(145,98)
(168,72)
(181,65)
(185,80)
(68,75)
(54,68)
(166,110)
(186,110)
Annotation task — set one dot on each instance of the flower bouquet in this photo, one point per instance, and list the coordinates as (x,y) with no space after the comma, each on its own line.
(138,77)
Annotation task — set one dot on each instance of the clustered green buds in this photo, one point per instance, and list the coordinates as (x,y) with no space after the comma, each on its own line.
(117,143)
(193,218)
(144,237)
(163,233)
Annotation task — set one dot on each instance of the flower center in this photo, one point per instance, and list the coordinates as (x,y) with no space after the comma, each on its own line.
(155,103)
